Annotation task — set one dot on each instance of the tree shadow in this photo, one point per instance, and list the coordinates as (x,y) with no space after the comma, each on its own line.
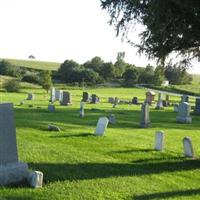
(73,135)
(167,195)
(84,171)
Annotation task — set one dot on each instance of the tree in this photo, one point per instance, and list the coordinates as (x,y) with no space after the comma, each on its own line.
(147,76)
(12,85)
(107,71)
(45,80)
(95,64)
(130,76)
(170,25)
(159,75)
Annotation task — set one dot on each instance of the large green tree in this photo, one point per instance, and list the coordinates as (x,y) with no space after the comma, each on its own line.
(170,25)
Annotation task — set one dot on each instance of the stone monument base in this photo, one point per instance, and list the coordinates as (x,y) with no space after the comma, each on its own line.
(13,173)
(186,120)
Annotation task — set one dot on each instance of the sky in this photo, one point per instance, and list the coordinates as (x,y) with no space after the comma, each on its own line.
(56,30)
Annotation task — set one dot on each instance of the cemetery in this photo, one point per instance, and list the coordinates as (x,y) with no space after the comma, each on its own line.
(95,147)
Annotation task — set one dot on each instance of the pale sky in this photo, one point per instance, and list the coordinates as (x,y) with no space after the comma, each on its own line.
(56,30)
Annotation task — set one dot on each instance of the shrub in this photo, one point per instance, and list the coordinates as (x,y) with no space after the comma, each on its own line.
(31,78)
(12,85)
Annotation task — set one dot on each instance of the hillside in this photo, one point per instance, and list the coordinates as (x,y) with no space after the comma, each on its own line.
(34,64)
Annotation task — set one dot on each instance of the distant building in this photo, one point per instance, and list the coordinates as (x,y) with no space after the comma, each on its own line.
(31,57)
(165,83)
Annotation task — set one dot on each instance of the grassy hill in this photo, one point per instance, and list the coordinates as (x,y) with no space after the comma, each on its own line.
(34,64)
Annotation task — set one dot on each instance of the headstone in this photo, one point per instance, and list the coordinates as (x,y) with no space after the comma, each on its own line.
(166,102)
(184,113)
(51,108)
(53,128)
(52,97)
(82,109)
(197,106)
(112,119)
(116,102)
(94,99)
(159,140)
(101,126)
(159,102)
(66,99)
(145,119)
(30,96)
(135,100)
(176,107)
(150,95)
(35,179)
(111,100)
(188,148)
(11,170)
(86,97)
(58,95)
(184,98)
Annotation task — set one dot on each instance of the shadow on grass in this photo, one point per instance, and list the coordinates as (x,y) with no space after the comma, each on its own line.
(73,135)
(167,195)
(84,171)
(134,150)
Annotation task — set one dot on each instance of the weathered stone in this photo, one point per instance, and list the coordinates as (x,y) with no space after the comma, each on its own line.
(145,119)
(82,113)
(52,95)
(30,96)
(11,170)
(66,99)
(150,95)
(184,113)
(58,95)
(159,140)
(35,179)
(176,107)
(197,106)
(188,148)
(53,128)
(51,108)
(112,119)
(135,100)
(159,105)
(101,126)
(86,97)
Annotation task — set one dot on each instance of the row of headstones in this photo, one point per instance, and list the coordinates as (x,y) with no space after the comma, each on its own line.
(159,137)
(187,144)
(182,117)
(12,171)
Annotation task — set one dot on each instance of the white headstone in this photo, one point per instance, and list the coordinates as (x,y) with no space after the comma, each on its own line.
(101,126)
(188,149)
(184,113)
(159,104)
(35,179)
(82,113)
(159,140)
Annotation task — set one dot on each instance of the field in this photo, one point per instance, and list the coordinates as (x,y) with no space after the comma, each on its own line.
(120,165)
(34,64)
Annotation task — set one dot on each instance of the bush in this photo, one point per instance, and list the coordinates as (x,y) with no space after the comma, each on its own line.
(12,85)
(31,78)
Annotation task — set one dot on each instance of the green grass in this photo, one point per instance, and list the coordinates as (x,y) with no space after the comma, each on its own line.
(34,64)
(120,165)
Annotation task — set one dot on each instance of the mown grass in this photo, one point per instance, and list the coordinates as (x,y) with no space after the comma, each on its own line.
(34,64)
(120,165)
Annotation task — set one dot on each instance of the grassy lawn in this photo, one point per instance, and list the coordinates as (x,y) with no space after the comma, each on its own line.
(120,165)
(34,64)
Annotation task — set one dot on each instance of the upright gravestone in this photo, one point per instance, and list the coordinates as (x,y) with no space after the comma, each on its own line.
(11,170)
(150,95)
(101,126)
(145,119)
(112,119)
(116,102)
(159,105)
(197,107)
(51,108)
(86,97)
(135,100)
(94,99)
(58,95)
(52,97)
(184,113)
(166,102)
(184,98)
(30,96)
(66,99)
(188,148)
(159,140)
(82,113)
(111,100)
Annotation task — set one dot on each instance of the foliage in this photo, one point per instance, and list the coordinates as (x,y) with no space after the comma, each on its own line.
(95,64)
(159,75)
(31,77)
(147,76)
(12,85)
(107,71)
(170,25)
(130,76)
(45,80)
